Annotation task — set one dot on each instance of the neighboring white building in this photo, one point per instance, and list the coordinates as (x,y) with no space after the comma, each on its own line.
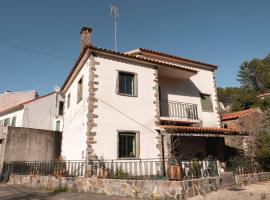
(43,112)
(9,99)
(138,104)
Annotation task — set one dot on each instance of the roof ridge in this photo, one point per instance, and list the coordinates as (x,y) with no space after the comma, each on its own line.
(26,102)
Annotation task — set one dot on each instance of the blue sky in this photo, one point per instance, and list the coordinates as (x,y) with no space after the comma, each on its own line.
(225,33)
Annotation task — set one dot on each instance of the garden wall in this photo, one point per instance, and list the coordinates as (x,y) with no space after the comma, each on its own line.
(121,187)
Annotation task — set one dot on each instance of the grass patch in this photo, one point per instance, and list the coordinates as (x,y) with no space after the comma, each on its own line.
(60,189)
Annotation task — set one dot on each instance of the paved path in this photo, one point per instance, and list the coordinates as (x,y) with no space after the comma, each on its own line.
(251,192)
(11,192)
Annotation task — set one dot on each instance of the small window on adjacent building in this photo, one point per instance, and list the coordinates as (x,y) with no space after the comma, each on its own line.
(127,145)
(57,125)
(7,122)
(61,108)
(13,121)
(80,90)
(206,103)
(1,141)
(127,83)
(68,100)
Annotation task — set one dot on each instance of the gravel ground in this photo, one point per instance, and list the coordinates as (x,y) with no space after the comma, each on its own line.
(251,192)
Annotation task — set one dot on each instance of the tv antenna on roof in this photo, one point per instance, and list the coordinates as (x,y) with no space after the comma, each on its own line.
(115,15)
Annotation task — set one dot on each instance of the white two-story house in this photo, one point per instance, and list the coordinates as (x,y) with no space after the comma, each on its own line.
(140,104)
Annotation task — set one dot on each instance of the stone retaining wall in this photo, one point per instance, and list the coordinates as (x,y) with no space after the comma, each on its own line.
(247,179)
(121,187)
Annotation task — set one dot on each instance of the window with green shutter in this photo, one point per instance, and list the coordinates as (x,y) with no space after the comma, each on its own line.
(206,103)
(127,145)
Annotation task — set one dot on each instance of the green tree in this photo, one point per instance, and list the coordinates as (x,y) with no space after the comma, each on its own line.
(249,73)
(255,74)
(237,98)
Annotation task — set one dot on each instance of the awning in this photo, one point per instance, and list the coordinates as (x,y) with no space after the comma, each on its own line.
(200,131)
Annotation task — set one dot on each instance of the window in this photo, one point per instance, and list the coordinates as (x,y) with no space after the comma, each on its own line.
(127,145)
(61,108)
(68,100)
(57,125)
(80,90)
(7,122)
(127,83)
(13,121)
(206,103)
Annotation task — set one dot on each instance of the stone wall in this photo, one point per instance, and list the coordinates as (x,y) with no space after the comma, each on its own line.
(25,144)
(247,179)
(121,187)
(250,123)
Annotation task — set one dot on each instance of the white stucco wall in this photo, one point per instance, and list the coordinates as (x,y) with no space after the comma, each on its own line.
(19,117)
(116,112)
(41,113)
(75,119)
(188,91)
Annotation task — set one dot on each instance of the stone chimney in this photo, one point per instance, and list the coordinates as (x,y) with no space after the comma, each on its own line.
(85,37)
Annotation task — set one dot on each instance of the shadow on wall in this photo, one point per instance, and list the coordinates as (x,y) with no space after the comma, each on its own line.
(232,152)
(178,88)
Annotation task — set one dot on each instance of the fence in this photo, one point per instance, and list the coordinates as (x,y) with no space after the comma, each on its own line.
(55,167)
(178,110)
(125,169)
(247,165)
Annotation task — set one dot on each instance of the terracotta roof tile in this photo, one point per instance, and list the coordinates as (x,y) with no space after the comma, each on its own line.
(263,95)
(175,57)
(147,60)
(235,115)
(200,129)
(18,106)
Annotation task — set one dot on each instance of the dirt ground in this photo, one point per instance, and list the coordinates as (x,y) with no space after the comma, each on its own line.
(12,192)
(251,192)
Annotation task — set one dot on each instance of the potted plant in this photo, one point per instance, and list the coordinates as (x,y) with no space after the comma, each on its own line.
(173,169)
(103,171)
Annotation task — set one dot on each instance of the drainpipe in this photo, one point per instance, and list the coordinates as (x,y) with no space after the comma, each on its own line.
(163,154)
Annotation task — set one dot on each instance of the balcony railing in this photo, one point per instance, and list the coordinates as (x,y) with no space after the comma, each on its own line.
(172,109)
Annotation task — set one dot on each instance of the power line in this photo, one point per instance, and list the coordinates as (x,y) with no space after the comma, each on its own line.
(34,51)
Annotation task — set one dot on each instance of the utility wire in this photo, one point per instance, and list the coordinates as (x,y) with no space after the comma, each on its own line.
(35,51)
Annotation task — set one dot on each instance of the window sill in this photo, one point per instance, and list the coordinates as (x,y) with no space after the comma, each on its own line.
(127,95)
(128,158)
(208,111)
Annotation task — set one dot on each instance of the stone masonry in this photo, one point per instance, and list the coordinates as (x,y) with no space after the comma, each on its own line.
(121,187)
(92,104)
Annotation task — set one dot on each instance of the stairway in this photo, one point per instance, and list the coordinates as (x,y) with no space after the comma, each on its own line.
(227,180)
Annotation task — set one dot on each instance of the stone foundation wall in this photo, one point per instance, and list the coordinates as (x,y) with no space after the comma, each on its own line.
(121,187)
(252,178)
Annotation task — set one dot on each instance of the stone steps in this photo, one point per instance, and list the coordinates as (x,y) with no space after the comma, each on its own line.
(227,180)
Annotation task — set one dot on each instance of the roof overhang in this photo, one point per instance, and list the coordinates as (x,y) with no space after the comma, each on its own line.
(199,131)
(89,49)
(170,58)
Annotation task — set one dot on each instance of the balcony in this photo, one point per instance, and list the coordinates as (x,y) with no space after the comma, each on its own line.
(178,111)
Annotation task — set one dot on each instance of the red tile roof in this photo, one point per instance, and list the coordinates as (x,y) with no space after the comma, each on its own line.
(173,56)
(235,115)
(200,129)
(263,95)
(107,51)
(18,106)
